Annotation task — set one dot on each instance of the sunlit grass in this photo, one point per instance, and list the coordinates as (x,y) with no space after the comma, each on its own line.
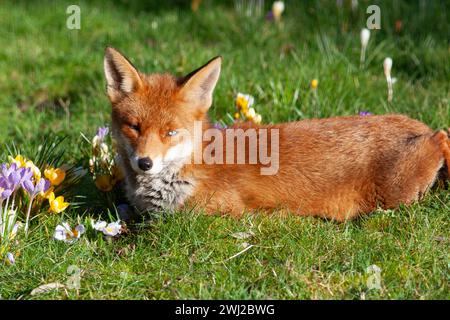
(51,80)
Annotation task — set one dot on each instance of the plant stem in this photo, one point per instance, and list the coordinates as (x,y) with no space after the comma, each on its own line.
(363,57)
(390,90)
(28,216)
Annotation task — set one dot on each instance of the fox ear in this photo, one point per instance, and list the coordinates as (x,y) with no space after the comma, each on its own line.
(121,76)
(198,86)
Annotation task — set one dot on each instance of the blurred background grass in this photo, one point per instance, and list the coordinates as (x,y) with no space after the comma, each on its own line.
(51,78)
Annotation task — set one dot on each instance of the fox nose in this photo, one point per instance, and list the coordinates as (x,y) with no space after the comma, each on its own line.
(145,164)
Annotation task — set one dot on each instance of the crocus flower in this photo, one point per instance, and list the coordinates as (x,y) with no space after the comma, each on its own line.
(277,9)
(244,104)
(387,66)
(257,118)
(57,205)
(36,172)
(19,161)
(34,189)
(111,230)
(104,182)
(55,176)
(314,84)
(365,36)
(64,232)
(365,113)
(4,193)
(15,229)
(102,132)
(47,194)
(251,113)
(10,258)
(244,101)
(269,16)
(99,225)
(11,178)
(117,174)
(218,125)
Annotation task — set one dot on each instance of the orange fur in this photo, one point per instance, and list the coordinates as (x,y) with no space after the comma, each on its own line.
(336,168)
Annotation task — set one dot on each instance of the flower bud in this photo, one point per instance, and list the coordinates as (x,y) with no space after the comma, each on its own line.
(277,9)
(365,36)
(387,65)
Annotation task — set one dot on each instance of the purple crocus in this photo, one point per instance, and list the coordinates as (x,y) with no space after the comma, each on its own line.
(365,113)
(33,190)
(218,125)
(41,186)
(269,16)
(102,132)
(6,171)
(11,178)
(5,192)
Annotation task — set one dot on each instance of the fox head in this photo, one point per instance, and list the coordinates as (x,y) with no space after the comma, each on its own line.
(153,115)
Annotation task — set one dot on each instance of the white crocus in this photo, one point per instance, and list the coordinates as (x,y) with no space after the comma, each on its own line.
(277,10)
(104,147)
(96,142)
(365,36)
(387,65)
(64,232)
(10,258)
(99,225)
(251,113)
(14,230)
(257,118)
(111,230)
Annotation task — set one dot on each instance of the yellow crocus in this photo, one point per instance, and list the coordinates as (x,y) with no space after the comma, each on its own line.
(55,176)
(314,84)
(36,171)
(117,174)
(19,160)
(47,194)
(104,183)
(241,102)
(57,205)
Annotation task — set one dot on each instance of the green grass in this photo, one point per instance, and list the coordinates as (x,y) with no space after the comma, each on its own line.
(51,82)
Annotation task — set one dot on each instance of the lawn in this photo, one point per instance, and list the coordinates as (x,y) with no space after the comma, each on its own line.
(52,85)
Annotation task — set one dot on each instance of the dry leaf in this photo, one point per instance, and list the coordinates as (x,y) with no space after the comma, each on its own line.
(242,235)
(47,287)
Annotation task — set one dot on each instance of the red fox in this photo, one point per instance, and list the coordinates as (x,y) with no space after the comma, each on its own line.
(337,168)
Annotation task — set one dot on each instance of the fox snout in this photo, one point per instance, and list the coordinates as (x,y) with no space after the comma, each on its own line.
(146,164)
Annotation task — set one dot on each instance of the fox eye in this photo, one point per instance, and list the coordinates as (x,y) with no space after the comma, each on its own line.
(171,133)
(134,127)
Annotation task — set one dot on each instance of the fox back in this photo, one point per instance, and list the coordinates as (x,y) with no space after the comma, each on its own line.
(335,168)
